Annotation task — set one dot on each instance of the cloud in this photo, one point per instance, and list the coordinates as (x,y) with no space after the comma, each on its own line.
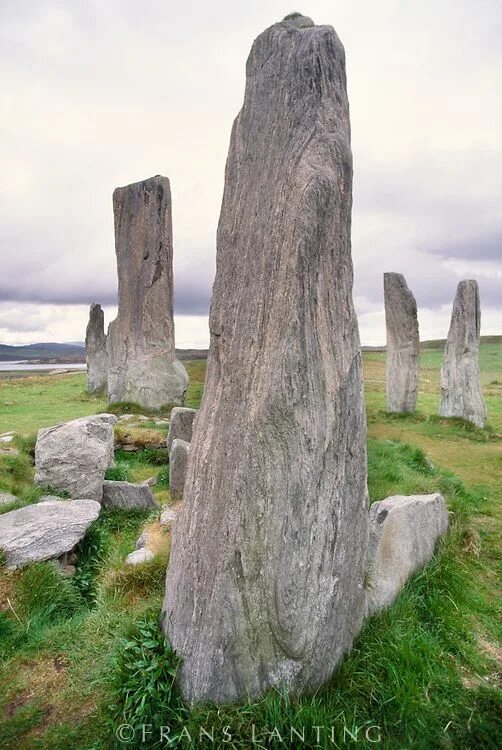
(97,95)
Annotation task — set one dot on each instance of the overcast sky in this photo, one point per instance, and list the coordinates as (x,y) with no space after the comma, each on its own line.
(101,93)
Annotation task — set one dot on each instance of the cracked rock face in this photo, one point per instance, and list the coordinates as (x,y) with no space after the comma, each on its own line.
(461,394)
(265,582)
(403,344)
(95,351)
(141,357)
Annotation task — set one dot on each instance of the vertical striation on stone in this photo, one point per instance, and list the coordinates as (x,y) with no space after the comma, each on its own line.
(265,583)
(461,394)
(403,344)
(141,357)
(178,461)
(95,351)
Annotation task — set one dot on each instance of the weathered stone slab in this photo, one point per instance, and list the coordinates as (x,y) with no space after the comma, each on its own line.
(404,531)
(127,496)
(169,515)
(95,351)
(142,364)
(44,530)
(178,462)
(139,556)
(6,498)
(403,344)
(265,582)
(180,425)
(74,456)
(461,394)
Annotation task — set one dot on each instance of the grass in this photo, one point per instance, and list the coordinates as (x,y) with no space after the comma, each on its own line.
(87,655)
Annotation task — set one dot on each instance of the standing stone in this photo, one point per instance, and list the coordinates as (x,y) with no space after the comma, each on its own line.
(403,344)
(95,351)
(178,460)
(180,425)
(265,583)
(461,394)
(141,358)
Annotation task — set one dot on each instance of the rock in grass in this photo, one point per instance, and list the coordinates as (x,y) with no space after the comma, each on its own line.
(6,498)
(178,461)
(142,364)
(265,582)
(139,556)
(403,345)
(74,456)
(127,496)
(44,530)
(95,351)
(180,425)
(404,531)
(461,394)
(168,515)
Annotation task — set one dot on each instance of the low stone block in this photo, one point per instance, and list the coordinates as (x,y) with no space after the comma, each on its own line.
(127,496)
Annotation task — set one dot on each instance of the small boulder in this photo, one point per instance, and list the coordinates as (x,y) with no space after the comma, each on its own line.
(403,535)
(45,530)
(6,498)
(74,456)
(127,496)
(168,515)
(139,556)
(180,425)
(178,460)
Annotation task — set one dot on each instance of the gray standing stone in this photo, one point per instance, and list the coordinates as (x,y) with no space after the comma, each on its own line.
(95,351)
(265,582)
(178,461)
(403,344)
(142,365)
(180,425)
(44,530)
(461,394)
(403,535)
(74,456)
(127,496)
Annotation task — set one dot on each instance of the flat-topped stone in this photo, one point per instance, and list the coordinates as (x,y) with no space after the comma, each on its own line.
(127,496)
(180,425)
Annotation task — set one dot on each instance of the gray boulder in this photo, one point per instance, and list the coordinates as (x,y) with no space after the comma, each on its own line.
(404,531)
(180,425)
(403,344)
(142,364)
(461,394)
(139,556)
(6,498)
(265,581)
(74,456)
(127,496)
(45,530)
(168,516)
(95,351)
(178,461)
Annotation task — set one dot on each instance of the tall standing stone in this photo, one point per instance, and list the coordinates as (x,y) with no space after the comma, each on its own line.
(141,357)
(95,351)
(265,583)
(461,394)
(403,344)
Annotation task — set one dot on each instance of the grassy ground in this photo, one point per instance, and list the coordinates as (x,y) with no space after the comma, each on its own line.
(80,657)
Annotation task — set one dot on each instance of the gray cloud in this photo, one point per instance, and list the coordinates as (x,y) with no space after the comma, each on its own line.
(101,94)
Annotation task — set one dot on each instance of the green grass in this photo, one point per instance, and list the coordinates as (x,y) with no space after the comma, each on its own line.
(423,672)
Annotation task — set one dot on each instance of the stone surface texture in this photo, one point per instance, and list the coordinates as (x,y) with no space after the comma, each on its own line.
(178,462)
(265,582)
(142,364)
(74,456)
(95,351)
(127,496)
(461,394)
(404,531)
(45,530)
(6,498)
(403,344)
(139,556)
(180,425)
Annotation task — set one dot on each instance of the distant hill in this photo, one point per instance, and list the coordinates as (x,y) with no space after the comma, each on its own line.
(53,353)
(436,344)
